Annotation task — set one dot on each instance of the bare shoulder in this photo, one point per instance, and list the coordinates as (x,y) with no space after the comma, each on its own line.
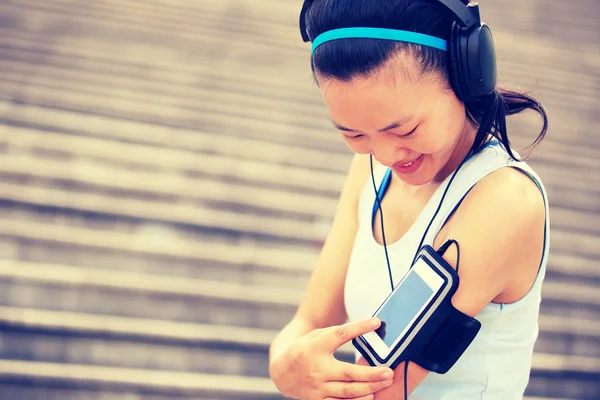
(511,193)
(500,229)
(359,173)
(506,198)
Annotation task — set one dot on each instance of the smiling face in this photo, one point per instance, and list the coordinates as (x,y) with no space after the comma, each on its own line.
(414,124)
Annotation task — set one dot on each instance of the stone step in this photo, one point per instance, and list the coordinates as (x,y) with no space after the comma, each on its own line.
(339,148)
(160,296)
(163,211)
(63,80)
(143,156)
(520,42)
(133,343)
(579,199)
(160,135)
(546,19)
(277,15)
(22,231)
(101,291)
(562,217)
(548,163)
(262,108)
(80,172)
(250,16)
(231,100)
(106,206)
(168,188)
(28,45)
(56,141)
(245,349)
(243,262)
(267,172)
(122,106)
(203,39)
(83,339)
(34,237)
(571,268)
(47,381)
(248,20)
(565,335)
(55,381)
(139,111)
(88,53)
(586,200)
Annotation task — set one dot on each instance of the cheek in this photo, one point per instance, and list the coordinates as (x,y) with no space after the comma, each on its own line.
(443,137)
(446,127)
(433,142)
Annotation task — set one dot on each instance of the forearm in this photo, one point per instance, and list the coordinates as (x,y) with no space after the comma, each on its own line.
(294,330)
(415,376)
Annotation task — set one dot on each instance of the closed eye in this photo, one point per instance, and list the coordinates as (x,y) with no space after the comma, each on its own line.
(353,137)
(356,137)
(409,133)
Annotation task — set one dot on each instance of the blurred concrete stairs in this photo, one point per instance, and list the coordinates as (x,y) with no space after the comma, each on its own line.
(162,208)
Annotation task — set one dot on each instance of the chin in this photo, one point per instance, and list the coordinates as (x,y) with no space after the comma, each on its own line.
(415,180)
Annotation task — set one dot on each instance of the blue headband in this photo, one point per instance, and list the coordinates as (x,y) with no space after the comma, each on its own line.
(380,33)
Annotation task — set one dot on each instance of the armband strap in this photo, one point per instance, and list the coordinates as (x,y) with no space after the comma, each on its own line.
(442,340)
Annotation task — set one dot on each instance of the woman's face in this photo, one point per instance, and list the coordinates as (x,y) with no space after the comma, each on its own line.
(412,124)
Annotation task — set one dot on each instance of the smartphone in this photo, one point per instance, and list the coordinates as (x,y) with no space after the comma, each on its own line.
(417,295)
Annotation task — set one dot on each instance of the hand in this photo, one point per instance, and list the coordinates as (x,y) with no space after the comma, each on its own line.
(308,370)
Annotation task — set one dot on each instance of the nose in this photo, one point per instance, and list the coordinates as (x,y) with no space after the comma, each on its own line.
(386,152)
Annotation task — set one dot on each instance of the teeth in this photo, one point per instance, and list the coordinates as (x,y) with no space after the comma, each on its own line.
(409,164)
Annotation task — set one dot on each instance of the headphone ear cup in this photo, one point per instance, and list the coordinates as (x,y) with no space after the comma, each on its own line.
(455,64)
(472,62)
(483,62)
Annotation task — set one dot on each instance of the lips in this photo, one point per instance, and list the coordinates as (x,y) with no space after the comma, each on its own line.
(408,164)
(407,167)
(401,164)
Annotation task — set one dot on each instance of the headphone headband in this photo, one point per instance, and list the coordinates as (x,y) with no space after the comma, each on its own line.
(467,15)
(305,6)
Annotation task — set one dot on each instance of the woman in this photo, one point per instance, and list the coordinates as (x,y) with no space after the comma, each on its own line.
(437,137)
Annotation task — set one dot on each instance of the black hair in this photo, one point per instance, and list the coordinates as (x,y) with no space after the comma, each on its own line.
(346,59)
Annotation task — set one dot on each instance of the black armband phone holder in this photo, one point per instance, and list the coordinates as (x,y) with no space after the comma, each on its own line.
(437,335)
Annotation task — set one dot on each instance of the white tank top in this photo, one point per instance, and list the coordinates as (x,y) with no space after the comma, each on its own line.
(497,364)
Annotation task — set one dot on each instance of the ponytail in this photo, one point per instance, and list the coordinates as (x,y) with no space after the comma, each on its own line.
(490,116)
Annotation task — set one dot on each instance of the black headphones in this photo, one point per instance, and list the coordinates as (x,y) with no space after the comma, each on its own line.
(471,53)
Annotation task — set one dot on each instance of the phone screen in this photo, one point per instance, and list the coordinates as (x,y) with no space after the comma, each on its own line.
(406,303)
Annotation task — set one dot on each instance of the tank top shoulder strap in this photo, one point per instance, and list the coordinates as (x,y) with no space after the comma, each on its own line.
(382,176)
(490,159)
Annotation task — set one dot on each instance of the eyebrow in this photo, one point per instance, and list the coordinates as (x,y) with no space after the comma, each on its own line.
(397,124)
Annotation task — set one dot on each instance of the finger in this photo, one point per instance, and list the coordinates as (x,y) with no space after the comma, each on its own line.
(346,372)
(314,333)
(336,336)
(352,390)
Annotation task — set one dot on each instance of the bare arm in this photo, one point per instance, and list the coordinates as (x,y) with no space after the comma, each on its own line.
(323,303)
